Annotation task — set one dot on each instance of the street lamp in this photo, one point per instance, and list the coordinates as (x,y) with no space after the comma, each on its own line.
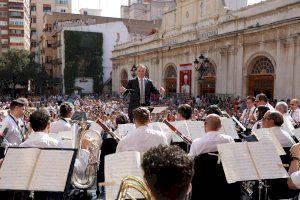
(133,71)
(201,65)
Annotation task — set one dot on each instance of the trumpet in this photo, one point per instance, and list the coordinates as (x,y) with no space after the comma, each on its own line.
(105,128)
(132,182)
(173,128)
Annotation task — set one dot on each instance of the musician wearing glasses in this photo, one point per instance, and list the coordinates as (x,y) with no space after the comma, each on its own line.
(208,143)
(65,113)
(289,123)
(16,130)
(142,138)
(295,111)
(247,118)
(40,123)
(168,172)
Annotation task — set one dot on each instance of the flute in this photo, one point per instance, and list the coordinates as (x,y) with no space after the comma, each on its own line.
(105,128)
(186,139)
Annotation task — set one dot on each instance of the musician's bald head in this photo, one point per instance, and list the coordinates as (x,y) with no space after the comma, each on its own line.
(141,116)
(212,123)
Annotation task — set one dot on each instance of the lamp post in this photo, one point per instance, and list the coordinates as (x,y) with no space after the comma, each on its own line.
(201,65)
(133,71)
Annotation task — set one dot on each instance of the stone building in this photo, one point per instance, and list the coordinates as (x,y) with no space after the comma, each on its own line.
(249,50)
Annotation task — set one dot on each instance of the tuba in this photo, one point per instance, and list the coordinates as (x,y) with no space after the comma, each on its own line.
(88,178)
(132,182)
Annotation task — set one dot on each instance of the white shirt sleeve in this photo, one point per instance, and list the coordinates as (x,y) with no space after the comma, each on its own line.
(296,179)
(81,162)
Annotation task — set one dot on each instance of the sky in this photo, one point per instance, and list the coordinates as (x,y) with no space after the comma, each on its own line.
(111,8)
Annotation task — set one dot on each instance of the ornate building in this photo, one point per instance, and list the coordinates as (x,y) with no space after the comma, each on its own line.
(249,50)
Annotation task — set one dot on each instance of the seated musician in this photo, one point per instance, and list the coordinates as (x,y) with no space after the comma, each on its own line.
(274,120)
(142,138)
(168,172)
(260,112)
(40,123)
(184,112)
(208,143)
(289,123)
(294,170)
(65,111)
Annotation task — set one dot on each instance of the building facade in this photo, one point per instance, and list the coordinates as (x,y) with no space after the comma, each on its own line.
(89,11)
(250,50)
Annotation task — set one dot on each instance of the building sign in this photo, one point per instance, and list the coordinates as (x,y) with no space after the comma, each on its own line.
(208,34)
(185,74)
(57,25)
(86,84)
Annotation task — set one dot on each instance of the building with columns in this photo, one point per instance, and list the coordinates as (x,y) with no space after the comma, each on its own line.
(250,49)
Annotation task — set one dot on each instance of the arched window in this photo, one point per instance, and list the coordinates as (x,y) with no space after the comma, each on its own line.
(124,77)
(262,65)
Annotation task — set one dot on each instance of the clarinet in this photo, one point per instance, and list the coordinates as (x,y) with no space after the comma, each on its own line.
(173,128)
(105,128)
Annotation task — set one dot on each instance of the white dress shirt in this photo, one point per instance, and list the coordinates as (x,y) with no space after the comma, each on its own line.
(43,140)
(140,85)
(282,136)
(295,177)
(296,115)
(59,126)
(14,134)
(288,124)
(208,143)
(141,140)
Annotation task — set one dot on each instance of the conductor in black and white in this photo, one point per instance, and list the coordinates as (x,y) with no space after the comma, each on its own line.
(141,89)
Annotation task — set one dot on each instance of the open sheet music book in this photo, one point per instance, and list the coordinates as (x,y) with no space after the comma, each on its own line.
(118,166)
(250,161)
(277,138)
(126,129)
(65,137)
(228,128)
(191,129)
(37,169)
(157,110)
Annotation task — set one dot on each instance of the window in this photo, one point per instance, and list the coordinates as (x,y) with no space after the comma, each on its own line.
(85,13)
(16,23)
(16,39)
(3,23)
(62,10)
(61,1)
(16,14)
(3,14)
(49,44)
(4,32)
(47,8)
(2,4)
(33,8)
(33,19)
(16,6)
(16,31)
(33,32)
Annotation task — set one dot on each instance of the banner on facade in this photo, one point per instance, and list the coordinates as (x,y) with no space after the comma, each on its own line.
(185,74)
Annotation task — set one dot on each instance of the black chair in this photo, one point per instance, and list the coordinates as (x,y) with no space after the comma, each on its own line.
(209,180)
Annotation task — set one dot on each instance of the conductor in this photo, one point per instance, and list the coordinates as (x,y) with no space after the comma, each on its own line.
(140,89)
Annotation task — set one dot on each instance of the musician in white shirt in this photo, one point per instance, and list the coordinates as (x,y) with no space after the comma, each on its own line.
(142,138)
(274,121)
(40,123)
(247,118)
(289,123)
(262,100)
(208,143)
(295,111)
(65,112)
(294,169)
(15,134)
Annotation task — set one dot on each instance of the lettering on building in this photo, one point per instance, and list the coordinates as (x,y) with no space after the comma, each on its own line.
(72,23)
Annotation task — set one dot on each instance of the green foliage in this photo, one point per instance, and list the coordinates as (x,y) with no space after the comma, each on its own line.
(83,55)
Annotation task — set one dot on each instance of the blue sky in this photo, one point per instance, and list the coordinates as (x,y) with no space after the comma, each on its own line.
(110,8)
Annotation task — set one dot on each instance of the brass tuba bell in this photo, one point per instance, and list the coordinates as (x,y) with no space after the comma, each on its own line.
(132,182)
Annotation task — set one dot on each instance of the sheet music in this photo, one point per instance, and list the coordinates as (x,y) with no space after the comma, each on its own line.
(236,162)
(264,135)
(51,171)
(118,166)
(126,129)
(196,129)
(17,168)
(297,133)
(228,128)
(160,126)
(267,161)
(158,110)
(260,161)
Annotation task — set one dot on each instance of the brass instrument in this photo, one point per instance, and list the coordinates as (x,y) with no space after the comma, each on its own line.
(132,182)
(88,178)
(106,129)
(186,139)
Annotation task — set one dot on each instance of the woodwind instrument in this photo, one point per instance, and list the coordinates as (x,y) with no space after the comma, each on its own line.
(106,129)
(186,139)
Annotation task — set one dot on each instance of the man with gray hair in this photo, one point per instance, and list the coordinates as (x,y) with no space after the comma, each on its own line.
(289,123)
(274,120)
(295,111)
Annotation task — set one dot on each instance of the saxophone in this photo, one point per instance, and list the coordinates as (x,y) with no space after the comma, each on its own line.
(89,177)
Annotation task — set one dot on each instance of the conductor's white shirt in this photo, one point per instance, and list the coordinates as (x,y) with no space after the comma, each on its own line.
(208,143)
(59,126)
(141,140)
(43,140)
